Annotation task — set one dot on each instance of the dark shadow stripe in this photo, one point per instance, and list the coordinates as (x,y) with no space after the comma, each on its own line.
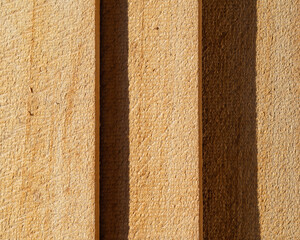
(114,130)
(229,120)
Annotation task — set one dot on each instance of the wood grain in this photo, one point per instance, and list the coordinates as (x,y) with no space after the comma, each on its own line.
(278,118)
(163,119)
(47,126)
(150,149)
(251,118)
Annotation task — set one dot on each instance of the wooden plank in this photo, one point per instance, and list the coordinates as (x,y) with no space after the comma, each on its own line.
(278,118)
(251,112)
(47,126)
(163,119)
(150,119)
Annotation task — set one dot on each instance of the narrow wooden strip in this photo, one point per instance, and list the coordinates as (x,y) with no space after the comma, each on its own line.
(200,118)
(164,155)
(97,119)
(278,118)
(47,119)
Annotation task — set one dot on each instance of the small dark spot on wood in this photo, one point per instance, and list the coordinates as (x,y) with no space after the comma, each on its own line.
(30,113)
(157,28)
(31,90)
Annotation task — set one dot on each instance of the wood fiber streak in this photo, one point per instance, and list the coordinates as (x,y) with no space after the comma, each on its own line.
(47,119)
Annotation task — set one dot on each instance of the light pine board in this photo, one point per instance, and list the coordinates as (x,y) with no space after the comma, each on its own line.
(163,64)
(47,119)
(278,118)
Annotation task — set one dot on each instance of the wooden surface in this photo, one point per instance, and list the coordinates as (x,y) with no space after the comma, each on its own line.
(251,118)
(278,118)
(47,119)
(150,120)
(163,119)
(229,120)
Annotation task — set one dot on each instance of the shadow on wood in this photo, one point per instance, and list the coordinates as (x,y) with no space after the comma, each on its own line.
(114,186)
(229,120)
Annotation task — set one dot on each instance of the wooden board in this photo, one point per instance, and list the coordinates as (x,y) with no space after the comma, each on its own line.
(47,120)
(278,118)
(163,119)
(251,118)
(150,144)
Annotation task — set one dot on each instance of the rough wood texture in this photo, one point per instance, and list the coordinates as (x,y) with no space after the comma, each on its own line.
(47,126)
(163,119)
(251,112)
(149,120)
(278,118)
